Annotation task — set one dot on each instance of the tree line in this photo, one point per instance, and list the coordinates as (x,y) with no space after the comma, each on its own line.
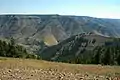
(107,54)
(10,49)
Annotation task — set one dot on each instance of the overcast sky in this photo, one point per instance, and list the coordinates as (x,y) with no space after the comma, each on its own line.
(93,8)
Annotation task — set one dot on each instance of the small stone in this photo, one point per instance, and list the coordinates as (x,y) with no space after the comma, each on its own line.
(107,78)
(9,70)
(60,77)
(86,75)
(81,78)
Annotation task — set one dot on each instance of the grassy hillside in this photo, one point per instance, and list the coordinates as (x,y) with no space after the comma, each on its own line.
(71,43)
(86,49)
(28,69)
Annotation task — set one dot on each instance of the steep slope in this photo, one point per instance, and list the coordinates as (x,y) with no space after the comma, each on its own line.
(33,30)
(85,48)
(73,47)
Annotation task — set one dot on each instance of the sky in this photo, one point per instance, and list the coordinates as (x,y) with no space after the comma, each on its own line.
(93,8)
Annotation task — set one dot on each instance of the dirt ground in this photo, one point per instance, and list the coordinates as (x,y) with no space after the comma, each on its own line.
(28,69)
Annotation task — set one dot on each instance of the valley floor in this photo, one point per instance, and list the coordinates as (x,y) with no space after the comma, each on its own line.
(25,69)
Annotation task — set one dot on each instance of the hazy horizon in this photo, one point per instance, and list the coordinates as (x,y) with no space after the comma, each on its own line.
(92,8)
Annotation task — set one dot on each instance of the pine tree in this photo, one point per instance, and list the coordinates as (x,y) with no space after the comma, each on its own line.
(118,59)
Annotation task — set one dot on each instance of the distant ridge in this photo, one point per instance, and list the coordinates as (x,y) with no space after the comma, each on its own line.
(31,29)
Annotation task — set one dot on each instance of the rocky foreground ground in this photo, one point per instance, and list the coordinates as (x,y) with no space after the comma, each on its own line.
(22,69)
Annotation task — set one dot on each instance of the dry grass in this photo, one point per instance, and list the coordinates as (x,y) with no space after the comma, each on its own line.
(77,71)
